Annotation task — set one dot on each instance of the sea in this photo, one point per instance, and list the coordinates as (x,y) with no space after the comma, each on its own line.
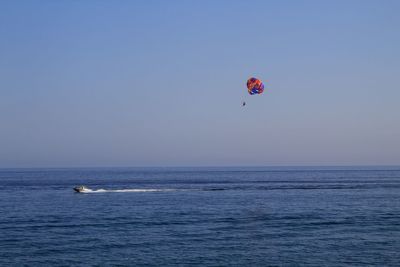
(208,216)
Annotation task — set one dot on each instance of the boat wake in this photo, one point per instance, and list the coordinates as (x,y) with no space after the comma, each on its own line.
(86,190)
(90,191)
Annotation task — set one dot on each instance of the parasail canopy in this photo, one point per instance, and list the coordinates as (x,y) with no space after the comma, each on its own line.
(254,86)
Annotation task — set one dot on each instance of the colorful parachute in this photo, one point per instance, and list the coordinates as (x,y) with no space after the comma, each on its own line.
(254,86)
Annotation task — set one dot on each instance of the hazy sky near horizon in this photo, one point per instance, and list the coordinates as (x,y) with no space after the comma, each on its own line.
(160,83)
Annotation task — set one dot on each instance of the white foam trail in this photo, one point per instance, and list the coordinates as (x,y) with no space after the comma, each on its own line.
(88,191)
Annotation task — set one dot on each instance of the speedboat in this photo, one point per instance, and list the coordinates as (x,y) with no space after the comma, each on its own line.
(80,189)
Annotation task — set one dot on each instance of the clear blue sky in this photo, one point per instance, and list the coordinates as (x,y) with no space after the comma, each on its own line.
(160,83)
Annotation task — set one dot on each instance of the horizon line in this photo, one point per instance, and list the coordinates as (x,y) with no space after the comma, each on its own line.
(204,166)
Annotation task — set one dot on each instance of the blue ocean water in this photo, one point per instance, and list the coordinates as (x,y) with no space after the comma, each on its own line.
(201,217)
